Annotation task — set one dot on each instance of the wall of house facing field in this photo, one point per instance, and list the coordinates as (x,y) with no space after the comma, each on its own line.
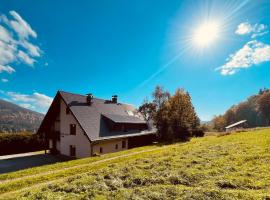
(109,146)
(80,140)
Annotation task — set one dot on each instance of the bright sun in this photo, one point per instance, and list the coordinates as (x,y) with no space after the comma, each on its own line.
(206,34)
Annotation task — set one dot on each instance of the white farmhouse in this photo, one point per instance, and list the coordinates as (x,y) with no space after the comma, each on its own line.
(81,126)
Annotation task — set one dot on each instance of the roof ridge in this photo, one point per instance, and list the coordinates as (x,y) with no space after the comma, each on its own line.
(61,91)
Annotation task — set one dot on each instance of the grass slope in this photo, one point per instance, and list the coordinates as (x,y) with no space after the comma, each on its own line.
(235,166)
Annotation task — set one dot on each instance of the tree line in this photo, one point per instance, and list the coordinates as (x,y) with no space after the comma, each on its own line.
(173,115)
(256,110)
(13,143)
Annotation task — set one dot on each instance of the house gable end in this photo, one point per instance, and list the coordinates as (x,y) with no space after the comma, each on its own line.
(72,113)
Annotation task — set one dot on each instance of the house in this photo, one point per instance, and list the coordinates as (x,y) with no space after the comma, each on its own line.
(81,126)
(235,126)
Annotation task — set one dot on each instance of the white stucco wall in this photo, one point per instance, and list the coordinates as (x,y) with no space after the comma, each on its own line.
(81,142)
(109,146)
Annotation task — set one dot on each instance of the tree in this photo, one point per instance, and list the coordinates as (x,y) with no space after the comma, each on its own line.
(183,118)
(175,117)
(160,96)
(256,110)
(246,111)
(219,123)
(148,110)
(264,105)
(160,99)
(230,116)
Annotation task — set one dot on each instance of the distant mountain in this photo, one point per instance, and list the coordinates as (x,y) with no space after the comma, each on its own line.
(205,122)
(14,118)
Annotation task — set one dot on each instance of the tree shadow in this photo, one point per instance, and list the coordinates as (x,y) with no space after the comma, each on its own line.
(20,163)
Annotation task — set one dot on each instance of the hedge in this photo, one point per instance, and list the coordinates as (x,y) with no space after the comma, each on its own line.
(12,143)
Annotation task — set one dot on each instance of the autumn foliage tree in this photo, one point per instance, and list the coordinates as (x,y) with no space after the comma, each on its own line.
(148,110)
(264,105)
(219,123)
(174,116)
(256,110)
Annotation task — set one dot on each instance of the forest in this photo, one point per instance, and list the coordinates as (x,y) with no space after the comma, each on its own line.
(256,110)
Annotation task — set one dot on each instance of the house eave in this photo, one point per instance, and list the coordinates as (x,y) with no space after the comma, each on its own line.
(124,136)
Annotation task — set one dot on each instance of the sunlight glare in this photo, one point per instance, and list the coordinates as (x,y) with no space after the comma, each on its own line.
(206,34)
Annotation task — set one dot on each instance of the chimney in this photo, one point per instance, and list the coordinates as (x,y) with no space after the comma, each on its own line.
(89,98)
(114,99)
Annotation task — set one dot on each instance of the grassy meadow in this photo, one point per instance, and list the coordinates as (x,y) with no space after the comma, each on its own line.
(235,166)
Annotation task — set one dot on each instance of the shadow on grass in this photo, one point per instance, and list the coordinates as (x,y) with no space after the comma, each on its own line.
(19,163)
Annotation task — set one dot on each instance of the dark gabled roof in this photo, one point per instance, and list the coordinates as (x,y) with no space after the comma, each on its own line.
(124,119)
(91,118)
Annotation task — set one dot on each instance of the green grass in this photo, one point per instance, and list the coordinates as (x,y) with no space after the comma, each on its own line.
(235,166)
(68,164)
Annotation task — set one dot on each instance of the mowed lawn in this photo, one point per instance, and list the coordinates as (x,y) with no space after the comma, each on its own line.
(235,166)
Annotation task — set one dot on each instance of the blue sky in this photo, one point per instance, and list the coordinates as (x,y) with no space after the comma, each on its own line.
(128,47)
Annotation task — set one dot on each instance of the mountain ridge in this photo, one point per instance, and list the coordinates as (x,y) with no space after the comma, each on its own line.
(14,118)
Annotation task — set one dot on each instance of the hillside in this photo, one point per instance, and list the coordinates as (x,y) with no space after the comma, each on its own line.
(228,167)
(255,109)
(14,118)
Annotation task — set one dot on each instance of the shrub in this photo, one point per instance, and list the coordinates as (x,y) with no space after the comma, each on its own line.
(198,133)
(12,143)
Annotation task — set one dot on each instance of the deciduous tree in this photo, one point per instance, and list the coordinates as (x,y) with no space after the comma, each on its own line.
(148,110)
(264,105)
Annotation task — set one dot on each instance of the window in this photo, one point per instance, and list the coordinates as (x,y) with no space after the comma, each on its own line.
(100,150)
(67,110)
(72,128)
(116,146)
(72,149)
(123,144)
